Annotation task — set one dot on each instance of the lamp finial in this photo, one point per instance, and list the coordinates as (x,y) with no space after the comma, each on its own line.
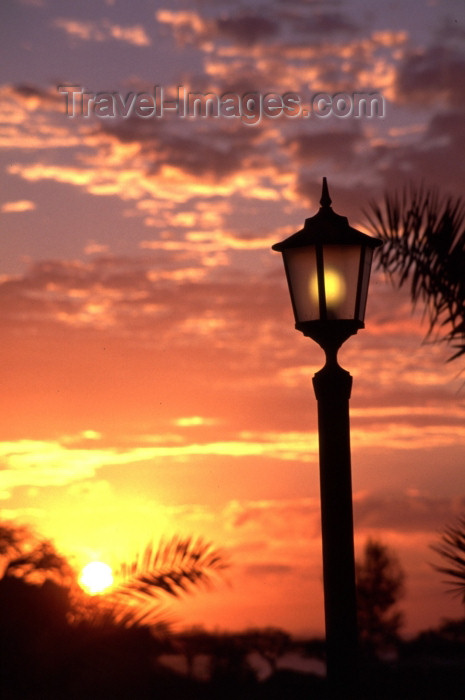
(325,200)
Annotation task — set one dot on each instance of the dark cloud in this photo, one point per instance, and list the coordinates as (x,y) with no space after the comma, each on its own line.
(442,153)
(448,126)
(37,97)
(437,158)
(134,130)
(278,516)
(250,28)
(313,147)
(406,513)
(246,29)
(130,295)
(207,155)
(217,150)
(433,76)
(235,28)
(259,570)
(26,90)
(319,23)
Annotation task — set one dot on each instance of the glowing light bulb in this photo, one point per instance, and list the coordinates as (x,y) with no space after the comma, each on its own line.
(335,288)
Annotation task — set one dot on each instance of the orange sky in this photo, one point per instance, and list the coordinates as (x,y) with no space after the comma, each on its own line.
(152,380)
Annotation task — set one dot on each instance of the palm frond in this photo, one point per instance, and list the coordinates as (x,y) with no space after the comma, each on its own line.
(452,549)
(108,611)
(424,243)
(175,567)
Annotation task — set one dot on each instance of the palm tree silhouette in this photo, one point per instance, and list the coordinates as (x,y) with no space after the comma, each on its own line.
(452,549)
(57,641)
(424,244)
(175,567)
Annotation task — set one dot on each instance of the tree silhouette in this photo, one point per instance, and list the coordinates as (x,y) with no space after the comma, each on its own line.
(424,244)
(57,641)
(452,549)
(380,584)
(25,555)
(176,566)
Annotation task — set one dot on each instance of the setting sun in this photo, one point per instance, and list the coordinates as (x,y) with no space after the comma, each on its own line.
(96,577)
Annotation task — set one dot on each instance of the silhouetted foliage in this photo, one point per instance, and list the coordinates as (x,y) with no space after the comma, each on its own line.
(33,623)
(270,642)
(24,554)
(446,641)
(380,584)
(424,244)
(46,651)
(452,549)
(175,567)
(58,642)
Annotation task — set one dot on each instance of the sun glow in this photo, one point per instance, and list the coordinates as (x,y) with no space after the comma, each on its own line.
(96,577)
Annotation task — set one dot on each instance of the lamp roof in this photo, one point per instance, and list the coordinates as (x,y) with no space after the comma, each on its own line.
(327,227)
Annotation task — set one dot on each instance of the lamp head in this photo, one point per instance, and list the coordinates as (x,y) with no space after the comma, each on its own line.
(328,266)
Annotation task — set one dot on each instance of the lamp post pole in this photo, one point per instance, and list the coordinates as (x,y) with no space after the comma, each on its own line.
(332,386)
(327,266)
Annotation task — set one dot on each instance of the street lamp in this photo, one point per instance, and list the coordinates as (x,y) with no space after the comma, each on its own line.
(327,266)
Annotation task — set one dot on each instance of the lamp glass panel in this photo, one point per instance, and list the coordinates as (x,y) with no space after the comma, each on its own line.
(341,265)
(366,269)
(301,273)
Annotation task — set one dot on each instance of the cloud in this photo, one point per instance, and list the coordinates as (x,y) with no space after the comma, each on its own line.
(45,463)
(217,153)
(408,512)
(129,289)
(155,166)
(56,463)
(431,75)
(375,513)
(242,28)
(102,30)
(294,48)
(266,570)
(32,96)
(319,22)
(97,182)
(250,514)
(429,85)
(33,120)
(17,206)
(249,28)
(436,152)
(185,25)
(179,165)
(195,421)
(245,28)
(316,147)
(230,319)
(41,463)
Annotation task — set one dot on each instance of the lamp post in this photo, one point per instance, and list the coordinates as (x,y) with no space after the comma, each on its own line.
(327,266)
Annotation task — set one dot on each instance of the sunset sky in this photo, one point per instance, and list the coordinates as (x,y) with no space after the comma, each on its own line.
(151,378)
